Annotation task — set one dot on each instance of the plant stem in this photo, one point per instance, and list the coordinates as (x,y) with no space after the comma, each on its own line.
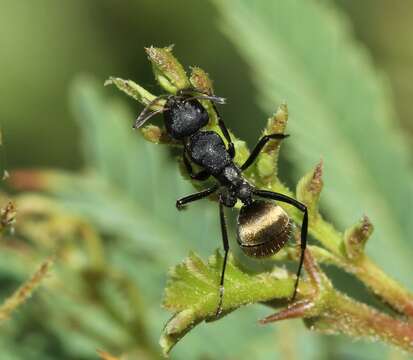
(389,290)
(329,311)
(359,320)
(384,286)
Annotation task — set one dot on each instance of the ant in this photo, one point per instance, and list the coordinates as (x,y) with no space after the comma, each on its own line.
(263,227)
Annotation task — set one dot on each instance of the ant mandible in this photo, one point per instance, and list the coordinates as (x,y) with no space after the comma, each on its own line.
(263,227)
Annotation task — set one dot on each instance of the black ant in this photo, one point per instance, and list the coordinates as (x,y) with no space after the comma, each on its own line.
(263,227)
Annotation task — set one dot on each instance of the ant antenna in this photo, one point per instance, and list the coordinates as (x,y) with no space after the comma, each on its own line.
(202,96)
(144,116)
(215,99)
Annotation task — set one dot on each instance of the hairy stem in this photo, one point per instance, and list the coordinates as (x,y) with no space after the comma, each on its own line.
(382,285)
(355,319)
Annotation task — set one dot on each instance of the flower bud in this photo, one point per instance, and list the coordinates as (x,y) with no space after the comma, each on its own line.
(200,80)
(355,238)
(309,189)
(168,71)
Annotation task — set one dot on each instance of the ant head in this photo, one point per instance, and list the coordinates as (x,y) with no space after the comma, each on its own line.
(263,228)
(183,113)
(184,116)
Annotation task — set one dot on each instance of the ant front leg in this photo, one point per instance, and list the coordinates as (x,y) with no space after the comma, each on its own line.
(225,132)
(146,113)
(180,203)
(259,147)
(201,176)
(304,226)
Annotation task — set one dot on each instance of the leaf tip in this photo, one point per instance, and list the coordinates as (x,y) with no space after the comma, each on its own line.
(109,81)
(277,123)
(175,329)
(22,294)
(168,71)
(201,80)
(355,238)
(309,188)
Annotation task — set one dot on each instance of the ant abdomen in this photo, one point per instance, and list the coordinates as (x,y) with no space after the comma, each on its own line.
(263,228)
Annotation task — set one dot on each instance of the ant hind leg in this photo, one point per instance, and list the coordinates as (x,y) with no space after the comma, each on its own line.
(304,226)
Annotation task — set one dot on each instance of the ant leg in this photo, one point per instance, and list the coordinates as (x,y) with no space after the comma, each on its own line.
(201,96)
(259,147)
(201,176)
(180,203)
(226,250)
(143,119)
(304,226)
(225,132)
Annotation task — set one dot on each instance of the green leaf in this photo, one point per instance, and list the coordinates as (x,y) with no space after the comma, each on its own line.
(24,292)
(192,293)
(303,52)
(134,90)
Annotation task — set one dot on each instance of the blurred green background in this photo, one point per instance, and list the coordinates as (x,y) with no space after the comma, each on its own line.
(47,45)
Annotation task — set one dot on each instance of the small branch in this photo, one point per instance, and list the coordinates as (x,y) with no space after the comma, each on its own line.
(355,319)
(330,312)
(21,295)
(382,285)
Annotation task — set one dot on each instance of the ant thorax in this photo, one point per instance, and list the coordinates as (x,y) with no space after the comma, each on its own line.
(235,186)
(207,150)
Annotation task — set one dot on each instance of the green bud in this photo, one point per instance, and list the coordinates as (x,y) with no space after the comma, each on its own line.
(135,91)
(309,189)
(355,238)
(277,123)
(168,71)
(201,81)
(175,329)
(266,166)
(156,135)
(268,159)
(7,216)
